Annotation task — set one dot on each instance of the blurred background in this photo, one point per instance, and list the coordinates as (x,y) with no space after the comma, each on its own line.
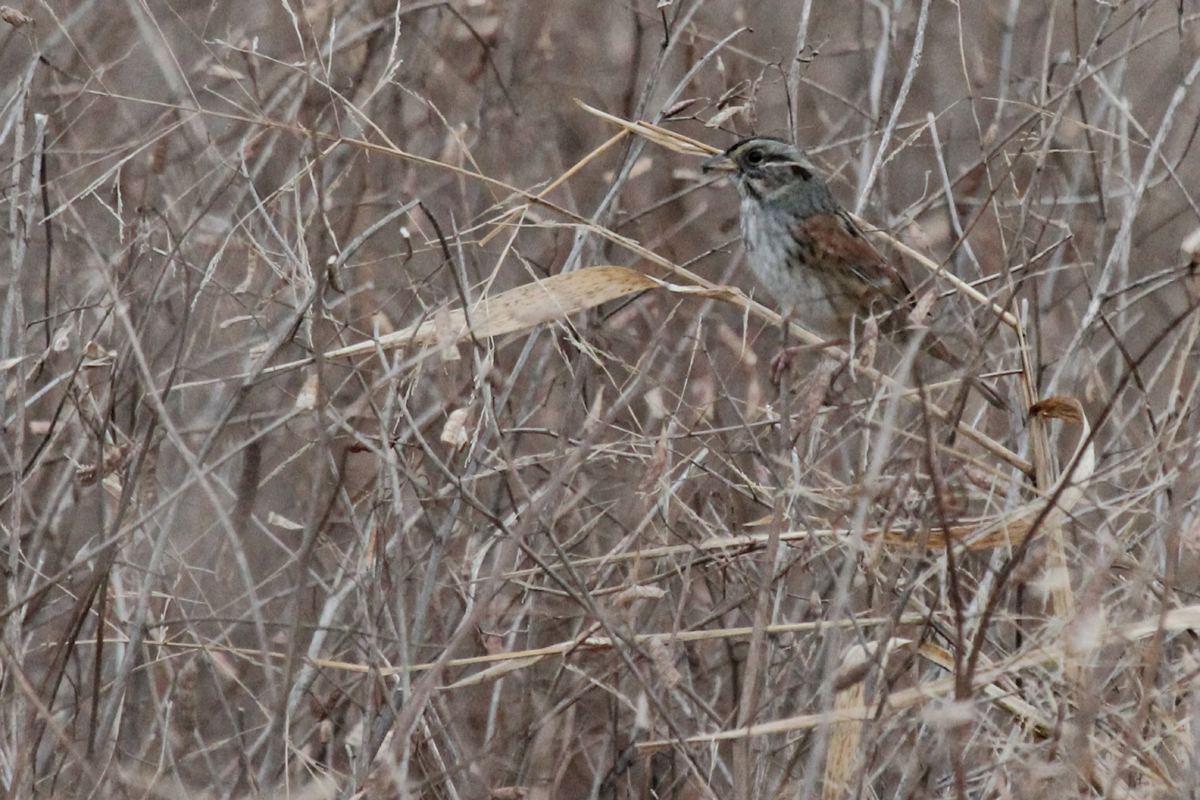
(543,564)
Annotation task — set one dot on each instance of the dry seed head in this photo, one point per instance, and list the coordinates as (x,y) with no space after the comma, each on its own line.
(14,17)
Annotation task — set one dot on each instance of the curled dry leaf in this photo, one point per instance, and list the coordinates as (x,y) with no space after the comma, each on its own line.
(1065,408)
(62,339)
(454,432)
(1070,410)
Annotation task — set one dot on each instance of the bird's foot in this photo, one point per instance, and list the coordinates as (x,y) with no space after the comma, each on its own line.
(781,363)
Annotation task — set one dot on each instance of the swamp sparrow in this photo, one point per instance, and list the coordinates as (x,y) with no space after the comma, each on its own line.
(809,253)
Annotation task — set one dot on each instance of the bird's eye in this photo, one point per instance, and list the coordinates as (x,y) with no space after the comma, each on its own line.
(754,157)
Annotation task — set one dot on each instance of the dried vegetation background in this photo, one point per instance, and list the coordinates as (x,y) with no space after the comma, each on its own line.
(280,520)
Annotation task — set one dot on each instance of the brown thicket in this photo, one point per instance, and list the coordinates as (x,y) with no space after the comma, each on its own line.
(378,417)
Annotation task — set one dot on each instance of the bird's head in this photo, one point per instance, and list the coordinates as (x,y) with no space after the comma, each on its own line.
(761,166)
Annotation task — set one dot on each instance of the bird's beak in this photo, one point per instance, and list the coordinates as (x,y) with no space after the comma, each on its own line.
(719,163)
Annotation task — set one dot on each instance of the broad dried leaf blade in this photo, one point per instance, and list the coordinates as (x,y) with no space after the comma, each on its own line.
(554,298)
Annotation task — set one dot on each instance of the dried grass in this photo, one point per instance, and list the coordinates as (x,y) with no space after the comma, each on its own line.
(387,411)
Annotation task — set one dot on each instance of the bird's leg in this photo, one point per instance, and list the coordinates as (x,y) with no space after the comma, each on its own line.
(781,363)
